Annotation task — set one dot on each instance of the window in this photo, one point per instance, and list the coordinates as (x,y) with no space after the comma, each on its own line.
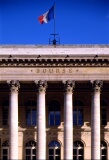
(54,113)
(78,150)
(78,113)
(5,150)
(31,113)
(5,111)
(30,150)
(54,150)
(103,150)
(103,113)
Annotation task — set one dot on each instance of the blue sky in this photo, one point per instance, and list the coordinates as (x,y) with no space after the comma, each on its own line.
(77,21)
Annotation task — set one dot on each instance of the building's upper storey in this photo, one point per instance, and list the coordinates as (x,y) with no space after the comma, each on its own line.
(57,50)
(54,63)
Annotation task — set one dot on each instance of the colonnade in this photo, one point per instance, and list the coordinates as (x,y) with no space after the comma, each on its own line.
(68,119)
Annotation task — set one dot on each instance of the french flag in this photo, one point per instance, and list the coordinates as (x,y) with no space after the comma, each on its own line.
(46,17)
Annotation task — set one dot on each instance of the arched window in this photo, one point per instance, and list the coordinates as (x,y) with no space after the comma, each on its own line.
(30,150)
(31,113)
(103,150)
(5,112)
(78,113)
(54,150)
(103,113)
(78,150)
(5,150)
(54,113)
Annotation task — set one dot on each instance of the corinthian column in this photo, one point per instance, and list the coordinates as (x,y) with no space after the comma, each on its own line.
(68,120)
(95,120)
(13,120)
(41,128)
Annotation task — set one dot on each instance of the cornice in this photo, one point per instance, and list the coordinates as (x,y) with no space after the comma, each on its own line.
(54,62)
(51,56)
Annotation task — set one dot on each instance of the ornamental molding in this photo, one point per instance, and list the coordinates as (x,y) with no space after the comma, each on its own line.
(54,62)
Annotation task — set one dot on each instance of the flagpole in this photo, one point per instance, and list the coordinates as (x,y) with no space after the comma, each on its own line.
(54,41)
(54,34)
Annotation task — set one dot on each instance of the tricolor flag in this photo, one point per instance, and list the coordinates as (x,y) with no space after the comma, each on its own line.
(46,17)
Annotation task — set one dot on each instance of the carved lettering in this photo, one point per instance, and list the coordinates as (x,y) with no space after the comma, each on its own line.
(38,71)
(54,70)
(50,70)
(44,70)
(63,71)
(70,70)
(57,71)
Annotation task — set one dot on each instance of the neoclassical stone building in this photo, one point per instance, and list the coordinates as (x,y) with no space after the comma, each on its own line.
(54,102)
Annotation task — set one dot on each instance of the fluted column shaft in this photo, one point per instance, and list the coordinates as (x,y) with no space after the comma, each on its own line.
(13,120)
(41,128)
(68,120)
(95,120)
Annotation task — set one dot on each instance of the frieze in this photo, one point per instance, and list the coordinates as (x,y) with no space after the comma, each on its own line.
(52,71)
(43,70)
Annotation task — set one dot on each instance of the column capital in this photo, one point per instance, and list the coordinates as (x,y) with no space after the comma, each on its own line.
(69,86)
(97,84)
(14,85)
(41,85)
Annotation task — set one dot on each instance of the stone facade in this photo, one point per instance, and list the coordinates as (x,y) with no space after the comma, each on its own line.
(66,89)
